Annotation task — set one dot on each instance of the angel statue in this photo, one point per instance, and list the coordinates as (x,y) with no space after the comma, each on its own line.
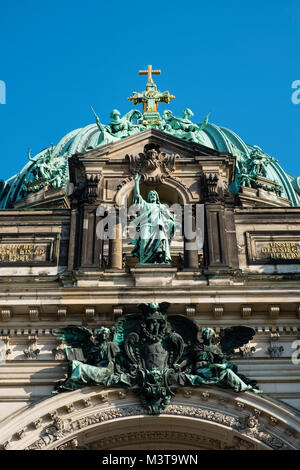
(211,366)
(156,227)
(100,365)
(184,127)
(153,353)
(206,363)
(118,128)
(259,162)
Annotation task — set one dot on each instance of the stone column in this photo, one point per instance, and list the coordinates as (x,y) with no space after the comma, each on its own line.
(115,247)
(90,244)
(72,240)
(216,239)
(191,262)
(232,249)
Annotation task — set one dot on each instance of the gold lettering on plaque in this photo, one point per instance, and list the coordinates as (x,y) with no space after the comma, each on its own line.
(21,253)
(282,250)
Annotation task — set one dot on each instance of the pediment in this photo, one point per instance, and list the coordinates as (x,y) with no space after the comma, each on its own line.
(137,142)
(118,155)
(115,164)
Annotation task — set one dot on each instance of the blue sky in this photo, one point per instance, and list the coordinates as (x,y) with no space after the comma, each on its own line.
(236,59)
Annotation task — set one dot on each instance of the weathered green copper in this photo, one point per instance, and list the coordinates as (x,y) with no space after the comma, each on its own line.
(212,368)
(152,354)
(47,170)
(156,227)
(183,127)
(254,172)
(250,171)
(118,128)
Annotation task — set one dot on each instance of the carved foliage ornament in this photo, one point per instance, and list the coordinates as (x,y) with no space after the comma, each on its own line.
(60,429)
(153,164)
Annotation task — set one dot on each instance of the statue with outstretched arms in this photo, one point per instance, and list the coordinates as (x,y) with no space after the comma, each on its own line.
(156,227)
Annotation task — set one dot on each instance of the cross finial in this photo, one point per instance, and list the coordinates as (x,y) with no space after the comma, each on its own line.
(149,72)
(150,98)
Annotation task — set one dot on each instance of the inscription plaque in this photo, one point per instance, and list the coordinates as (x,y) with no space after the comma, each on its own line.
(23,250)
(274,248)
(13,252)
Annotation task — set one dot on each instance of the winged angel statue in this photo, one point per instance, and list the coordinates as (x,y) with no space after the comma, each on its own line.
(152,354)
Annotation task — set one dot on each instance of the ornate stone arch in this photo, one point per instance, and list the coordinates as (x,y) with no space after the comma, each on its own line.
(202,418)
(126,187)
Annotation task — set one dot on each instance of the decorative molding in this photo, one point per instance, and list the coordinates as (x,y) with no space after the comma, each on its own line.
(5,339)
(69,445)
(70,408)
(153,164)
(90,313)
(211,180)
(5,314)
(59,429)
(6,445)
(275,349)
(87,402)
(247,350)
(246,311)
(240,404)
(117,311)
(20,434)
(33,314)
(54,434)
(190,310)
(58,354)
(103,397)
(205,396)
(92,181)
(32,352)
(218,311)
(240,444)
(37,423)
(61,313)
(116,441)
(274,311)
(290,432)
(273,421)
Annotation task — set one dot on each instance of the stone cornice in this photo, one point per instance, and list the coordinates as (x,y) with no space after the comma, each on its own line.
(53,422)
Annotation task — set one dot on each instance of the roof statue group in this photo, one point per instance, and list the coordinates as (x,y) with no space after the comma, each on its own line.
(152,354)
(46,171)
(255,169)
(134,121)
(49,169)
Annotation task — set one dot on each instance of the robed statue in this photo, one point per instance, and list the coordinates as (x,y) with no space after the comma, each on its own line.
(156,227)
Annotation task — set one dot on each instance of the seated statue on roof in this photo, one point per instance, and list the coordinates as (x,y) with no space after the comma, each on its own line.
(118,128)
(183,127)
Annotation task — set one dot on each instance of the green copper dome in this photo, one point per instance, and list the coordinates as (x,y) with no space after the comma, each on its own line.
(254,168)
(50,166)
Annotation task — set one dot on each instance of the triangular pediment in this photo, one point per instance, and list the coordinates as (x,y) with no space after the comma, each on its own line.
(166,142)
(112,166)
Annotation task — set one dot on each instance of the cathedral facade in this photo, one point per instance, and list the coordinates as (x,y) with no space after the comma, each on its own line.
(67,258)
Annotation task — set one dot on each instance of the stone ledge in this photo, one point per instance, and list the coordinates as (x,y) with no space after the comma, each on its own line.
(155,275)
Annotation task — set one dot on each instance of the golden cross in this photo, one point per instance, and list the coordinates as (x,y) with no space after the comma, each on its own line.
(149,72)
